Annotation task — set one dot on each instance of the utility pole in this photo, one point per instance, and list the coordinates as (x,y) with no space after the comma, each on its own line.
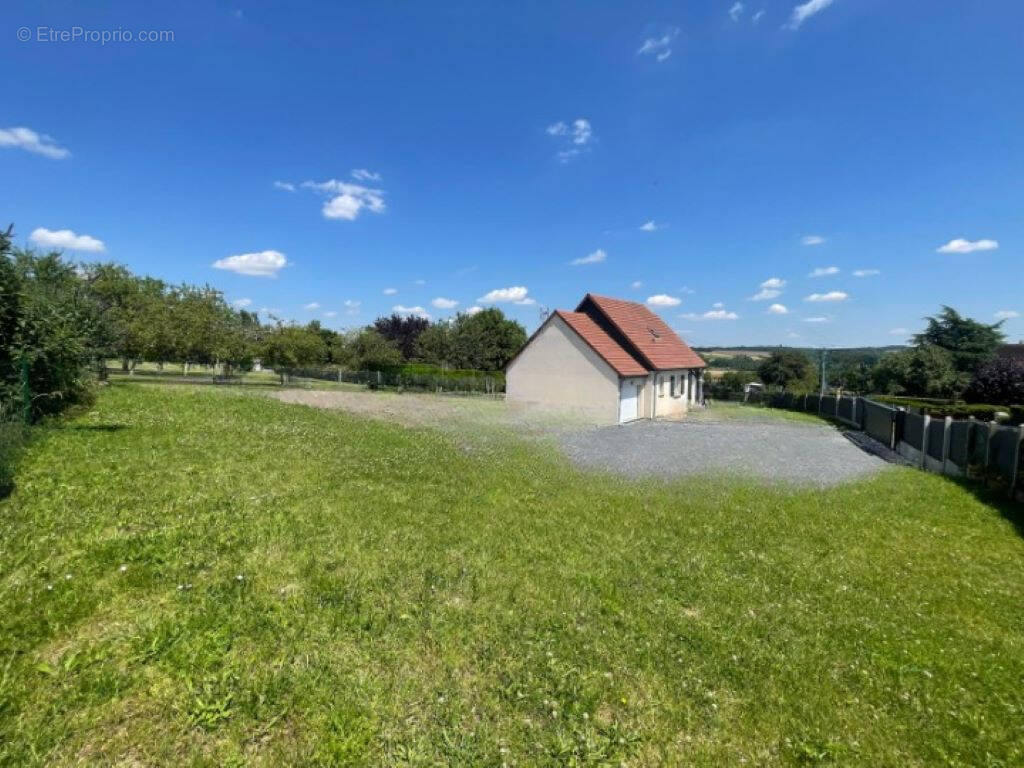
(824,371)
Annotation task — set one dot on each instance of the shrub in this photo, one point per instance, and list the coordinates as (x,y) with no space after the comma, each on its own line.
(998,381)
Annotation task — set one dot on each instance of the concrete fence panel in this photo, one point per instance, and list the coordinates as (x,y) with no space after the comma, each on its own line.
(960,434)
(913,437)
(878,422)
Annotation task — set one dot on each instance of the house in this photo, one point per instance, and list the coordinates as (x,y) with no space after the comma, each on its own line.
(612,359)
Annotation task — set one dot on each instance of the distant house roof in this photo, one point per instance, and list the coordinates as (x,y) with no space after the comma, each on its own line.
(614,354)
(1012,351)
(657,344)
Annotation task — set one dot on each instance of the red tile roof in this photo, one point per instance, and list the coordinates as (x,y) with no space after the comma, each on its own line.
(613,353)
(658,344)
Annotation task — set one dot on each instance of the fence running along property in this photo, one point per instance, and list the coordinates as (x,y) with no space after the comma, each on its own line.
(420,382)
(955,447)
(462,382)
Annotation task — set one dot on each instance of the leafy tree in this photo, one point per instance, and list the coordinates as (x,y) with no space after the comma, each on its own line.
(368,350)
(287,347)
(969,342)
(485,341)
(999,381)
(922,371)
(785,368)
(402,331)
(56,321)
(434,345)
(889,374)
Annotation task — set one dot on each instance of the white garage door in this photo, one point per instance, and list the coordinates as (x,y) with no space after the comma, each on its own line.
(628,401)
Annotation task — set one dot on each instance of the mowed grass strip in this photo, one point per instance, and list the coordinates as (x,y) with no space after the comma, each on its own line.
(193,576)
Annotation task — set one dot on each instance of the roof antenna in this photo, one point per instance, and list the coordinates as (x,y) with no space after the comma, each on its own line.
(544,314)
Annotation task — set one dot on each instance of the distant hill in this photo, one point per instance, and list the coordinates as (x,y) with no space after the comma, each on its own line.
(748,358)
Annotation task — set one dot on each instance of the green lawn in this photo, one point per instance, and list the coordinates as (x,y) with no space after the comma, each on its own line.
(198,576)
(724,410)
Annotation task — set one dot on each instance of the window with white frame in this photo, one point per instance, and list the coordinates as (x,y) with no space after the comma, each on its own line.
(661,386)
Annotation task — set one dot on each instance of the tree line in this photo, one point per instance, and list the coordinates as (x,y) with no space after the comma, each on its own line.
(60,322)
(954,357)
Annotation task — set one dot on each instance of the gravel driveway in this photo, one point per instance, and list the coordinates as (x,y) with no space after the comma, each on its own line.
(749,442)
(795,453)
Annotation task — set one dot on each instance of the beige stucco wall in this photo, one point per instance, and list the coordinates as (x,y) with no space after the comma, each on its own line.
(667,406)
(558,368)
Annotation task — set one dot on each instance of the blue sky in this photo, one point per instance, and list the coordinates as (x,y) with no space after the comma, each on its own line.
(472,152)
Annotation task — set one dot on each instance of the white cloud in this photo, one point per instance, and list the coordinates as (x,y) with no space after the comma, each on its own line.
(803,12)
(736,11)
(769,289)
(899,332)
(823,271)
(712,314)
(241,303)
(792,334)
(757,17)
(330,313)
(65,238)
(575,137)
(474,309)
(812,240)
(312,305)
(442,303)
(1007,314)
(417,310)
(866,272)
(718,305)
(287,186)
(815,319)
(352,306)
(361,174)
(636,285)
(595,257)
(830,296)
(389,291)
(778,309)
(346,200)
(516,294)
(421,281)
(258,264)
(30,141)
(663,300)
(959,245)
(651,226)
(659,47)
